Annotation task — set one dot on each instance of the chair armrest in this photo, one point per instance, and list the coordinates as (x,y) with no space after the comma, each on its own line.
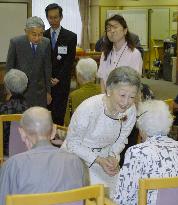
(108,201)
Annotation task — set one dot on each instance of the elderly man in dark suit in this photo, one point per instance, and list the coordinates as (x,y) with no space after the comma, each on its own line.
(31,53)
(63,43)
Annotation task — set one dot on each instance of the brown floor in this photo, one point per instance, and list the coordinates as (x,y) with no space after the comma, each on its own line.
(162,89)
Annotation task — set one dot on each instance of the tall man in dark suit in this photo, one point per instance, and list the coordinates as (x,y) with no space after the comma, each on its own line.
(63,43)
(30,53)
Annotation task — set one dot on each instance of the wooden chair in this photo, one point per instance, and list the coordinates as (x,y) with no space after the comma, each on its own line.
(106,202)
(14,118)
(94,192)
(169,102)
(6,118)
(63,128)
(154,183)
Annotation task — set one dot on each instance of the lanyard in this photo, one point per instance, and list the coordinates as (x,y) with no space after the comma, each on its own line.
(119,56)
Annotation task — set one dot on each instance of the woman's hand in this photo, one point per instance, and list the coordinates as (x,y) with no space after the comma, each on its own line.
(114,162)
(108,165)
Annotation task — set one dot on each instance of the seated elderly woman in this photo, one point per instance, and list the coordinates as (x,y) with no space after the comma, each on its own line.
(86,69)
(15,82)
(156,157)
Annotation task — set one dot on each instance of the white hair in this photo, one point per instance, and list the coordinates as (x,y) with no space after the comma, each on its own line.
(37,121)
(87,67)
(16,81)
(33,22)
(154,118)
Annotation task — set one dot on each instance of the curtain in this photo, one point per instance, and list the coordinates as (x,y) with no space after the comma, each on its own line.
(71,15)
(84,6)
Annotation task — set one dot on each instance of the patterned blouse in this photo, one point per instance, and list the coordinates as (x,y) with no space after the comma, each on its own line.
(157,157)
(15,105)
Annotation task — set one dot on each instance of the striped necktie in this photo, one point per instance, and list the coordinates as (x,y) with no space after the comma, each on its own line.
(53,39)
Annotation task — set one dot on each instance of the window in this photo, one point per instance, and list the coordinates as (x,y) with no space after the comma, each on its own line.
(71,15)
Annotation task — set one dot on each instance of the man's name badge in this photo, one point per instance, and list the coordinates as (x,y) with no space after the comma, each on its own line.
(59,57)
(62,50)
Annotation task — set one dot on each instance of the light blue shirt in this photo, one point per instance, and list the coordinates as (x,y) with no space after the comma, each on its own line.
(57,32)
(42,169)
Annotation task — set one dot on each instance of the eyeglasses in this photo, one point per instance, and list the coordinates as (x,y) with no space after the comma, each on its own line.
(112,27)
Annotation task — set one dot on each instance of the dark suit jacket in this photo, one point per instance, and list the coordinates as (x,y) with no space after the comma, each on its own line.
(61,69)
(37,68)
(137,43)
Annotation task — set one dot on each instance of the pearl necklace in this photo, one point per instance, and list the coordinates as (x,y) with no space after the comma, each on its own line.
(119,56)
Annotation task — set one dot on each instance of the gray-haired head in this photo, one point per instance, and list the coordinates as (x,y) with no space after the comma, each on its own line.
(87,67)
(123,75)
(16,81)
(154,118)
(37,122)
(34,22)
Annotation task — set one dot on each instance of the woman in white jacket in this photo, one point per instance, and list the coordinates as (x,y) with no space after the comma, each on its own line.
(100,126)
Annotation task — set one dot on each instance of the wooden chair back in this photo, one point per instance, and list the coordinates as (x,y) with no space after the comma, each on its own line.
(16,145)
(169,102)
(6,118)
(94,192)
(154,183)
(63,128)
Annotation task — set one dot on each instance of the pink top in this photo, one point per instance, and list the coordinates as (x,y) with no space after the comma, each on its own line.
(123,57)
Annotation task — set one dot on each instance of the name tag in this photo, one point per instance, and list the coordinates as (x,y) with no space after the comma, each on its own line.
(62,50)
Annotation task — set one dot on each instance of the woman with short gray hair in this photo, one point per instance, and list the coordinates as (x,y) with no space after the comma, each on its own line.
(100,126)
(16,83)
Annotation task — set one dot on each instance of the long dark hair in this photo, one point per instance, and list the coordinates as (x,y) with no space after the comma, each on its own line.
(108,45)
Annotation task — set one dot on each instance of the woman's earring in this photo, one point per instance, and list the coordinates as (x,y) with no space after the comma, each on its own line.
(108,95)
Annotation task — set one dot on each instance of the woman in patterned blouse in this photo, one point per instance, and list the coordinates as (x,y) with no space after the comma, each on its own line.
(156,157)
(100,126)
